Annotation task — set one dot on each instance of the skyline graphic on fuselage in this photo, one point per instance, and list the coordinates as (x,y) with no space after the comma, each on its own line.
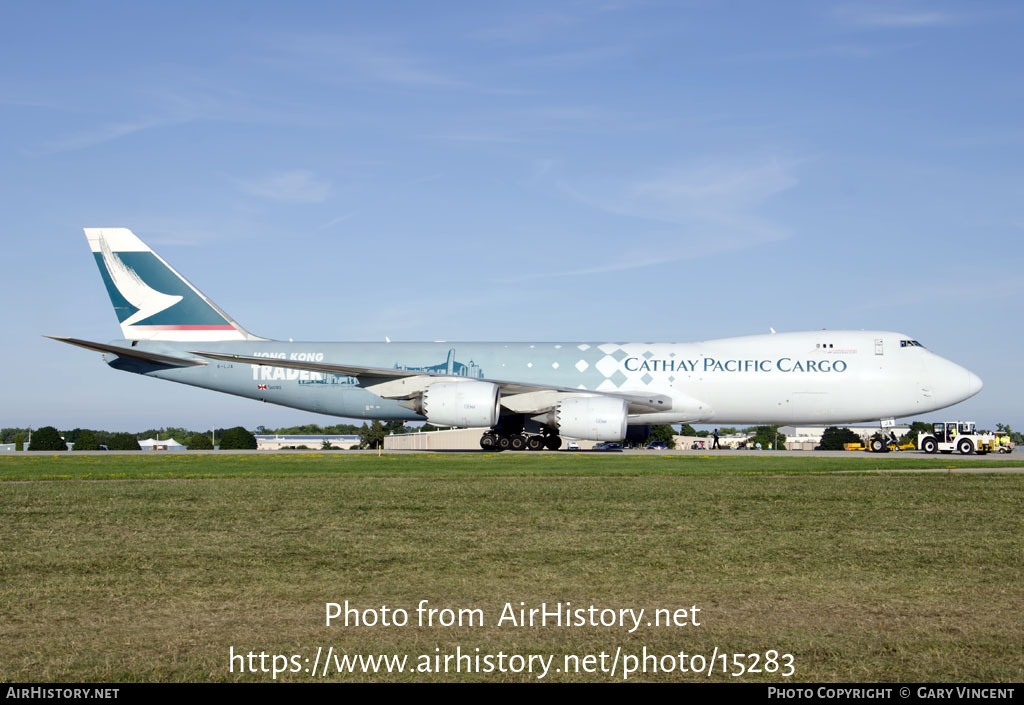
(451,366)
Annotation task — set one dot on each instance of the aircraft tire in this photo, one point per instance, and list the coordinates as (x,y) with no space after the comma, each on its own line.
(504,442)
(877,445)
(489,441)
(535,443)
(517,442)
(553,442)
(965,447)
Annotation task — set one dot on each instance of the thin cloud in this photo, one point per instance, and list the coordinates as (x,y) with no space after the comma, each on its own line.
(537,124)
(837,51)
(295,186)
(573,60)
(708,193)
(526,29)
(483,137)
(336,221)
(616,266)
(964,294)
(885,18)
(424,179)
(31,103)
(336,57)
(177,98)
(712,209)
(107,133)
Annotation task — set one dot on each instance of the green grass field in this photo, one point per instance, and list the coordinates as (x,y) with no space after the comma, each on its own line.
(151,568)
(340,464)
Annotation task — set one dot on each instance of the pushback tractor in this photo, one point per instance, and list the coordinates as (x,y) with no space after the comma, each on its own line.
(959,436)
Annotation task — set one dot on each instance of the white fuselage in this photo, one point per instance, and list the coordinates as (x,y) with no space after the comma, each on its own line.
(784,378)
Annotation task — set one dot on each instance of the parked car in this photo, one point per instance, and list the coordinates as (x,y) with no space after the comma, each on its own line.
(657,445)
(572,445)
(609,446)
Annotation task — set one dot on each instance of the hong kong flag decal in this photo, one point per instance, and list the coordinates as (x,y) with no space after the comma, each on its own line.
(261,386)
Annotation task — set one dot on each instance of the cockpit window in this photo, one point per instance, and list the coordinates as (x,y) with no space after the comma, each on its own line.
(910,344)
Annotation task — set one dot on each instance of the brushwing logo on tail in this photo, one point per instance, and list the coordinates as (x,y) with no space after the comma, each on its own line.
(138,293)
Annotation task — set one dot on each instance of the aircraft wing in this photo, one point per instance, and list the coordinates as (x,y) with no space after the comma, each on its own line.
(522,397)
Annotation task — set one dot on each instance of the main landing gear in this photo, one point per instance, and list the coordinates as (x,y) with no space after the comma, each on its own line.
(493,440)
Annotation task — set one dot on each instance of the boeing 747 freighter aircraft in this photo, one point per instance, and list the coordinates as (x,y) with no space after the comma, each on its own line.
(528,394)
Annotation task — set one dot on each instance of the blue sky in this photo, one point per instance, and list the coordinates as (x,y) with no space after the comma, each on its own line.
(670,171)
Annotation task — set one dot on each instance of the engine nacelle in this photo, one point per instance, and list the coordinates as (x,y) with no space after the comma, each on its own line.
(466,404)
(592,418)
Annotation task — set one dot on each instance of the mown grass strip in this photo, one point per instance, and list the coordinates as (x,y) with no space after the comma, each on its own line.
(120,467)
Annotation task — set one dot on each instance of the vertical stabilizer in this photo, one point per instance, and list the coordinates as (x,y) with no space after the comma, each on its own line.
(151,300)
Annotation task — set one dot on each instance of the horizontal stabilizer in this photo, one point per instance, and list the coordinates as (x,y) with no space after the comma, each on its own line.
(130,352)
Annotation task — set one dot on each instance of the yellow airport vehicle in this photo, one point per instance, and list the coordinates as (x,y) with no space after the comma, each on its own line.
(1003,443)
(880,443)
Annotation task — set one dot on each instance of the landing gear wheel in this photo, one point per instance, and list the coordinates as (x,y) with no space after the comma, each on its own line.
(878,445)
(553,442)
(534,442)
(517,442)
(489,441)
(504,442)
(928,445)
(965,447)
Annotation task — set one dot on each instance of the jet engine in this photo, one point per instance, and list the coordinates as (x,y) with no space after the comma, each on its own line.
(466,404)
(592,418)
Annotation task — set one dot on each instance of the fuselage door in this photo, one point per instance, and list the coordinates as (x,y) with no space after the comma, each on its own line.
(879,349)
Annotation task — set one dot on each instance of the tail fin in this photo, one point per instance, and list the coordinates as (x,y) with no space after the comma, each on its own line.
(151,300)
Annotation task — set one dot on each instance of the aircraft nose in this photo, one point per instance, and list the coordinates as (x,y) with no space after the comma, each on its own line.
(974,384)
(949,383)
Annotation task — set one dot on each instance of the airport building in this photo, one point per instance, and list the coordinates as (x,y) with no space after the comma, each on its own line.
(312,442)
(156,444)
(454,439)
